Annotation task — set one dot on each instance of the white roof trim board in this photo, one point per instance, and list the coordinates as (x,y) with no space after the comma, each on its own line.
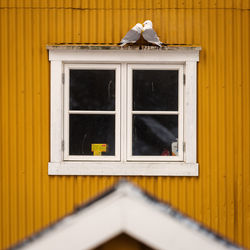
(126,209)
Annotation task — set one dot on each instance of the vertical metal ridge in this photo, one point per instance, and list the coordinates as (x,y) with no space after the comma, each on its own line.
(1,131)
(238,131)
(38,109)
(44,116)
(203,117)
(229,128)
(21,126)
(214,121)
(246,120)
(29,123)
(221,130)
(5,130)
(13,128)
(218,198)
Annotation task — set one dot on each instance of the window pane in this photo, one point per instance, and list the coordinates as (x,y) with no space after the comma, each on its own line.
(92,89)
(86,130)
(155,135)
(155,90)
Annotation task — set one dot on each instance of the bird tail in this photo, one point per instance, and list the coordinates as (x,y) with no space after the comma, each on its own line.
(121,44)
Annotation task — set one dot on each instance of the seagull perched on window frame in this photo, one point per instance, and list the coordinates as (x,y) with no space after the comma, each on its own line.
(133,35)
(149,34)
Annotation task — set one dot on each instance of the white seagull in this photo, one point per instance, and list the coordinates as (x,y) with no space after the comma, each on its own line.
(149,34)
(133,35)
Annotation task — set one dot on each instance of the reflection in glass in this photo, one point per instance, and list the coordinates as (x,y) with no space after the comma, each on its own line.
(155,90)
(155,135)
(92,89)
(86,130)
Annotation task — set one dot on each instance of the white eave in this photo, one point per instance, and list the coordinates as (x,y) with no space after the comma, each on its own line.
(112,52)
(126,209)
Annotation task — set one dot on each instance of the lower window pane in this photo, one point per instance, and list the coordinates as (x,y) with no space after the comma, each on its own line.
(155,135)
(92,135)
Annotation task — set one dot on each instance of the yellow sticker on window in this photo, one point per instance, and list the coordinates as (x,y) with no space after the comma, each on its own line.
(97,149)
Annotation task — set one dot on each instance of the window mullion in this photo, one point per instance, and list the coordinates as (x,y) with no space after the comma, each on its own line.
(155,112)
(92,112)
(123,111)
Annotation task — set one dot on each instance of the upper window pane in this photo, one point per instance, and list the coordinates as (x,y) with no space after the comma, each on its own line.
(92,89)
(155,90)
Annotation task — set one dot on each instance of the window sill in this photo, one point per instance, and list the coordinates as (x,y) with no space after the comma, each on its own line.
(124,169)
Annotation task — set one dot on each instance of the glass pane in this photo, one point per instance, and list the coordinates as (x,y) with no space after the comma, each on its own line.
(155,90)
(155,135)
(86,130)
(92,89)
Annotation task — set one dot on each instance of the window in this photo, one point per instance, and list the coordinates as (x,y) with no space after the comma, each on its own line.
(92,112)
(155,112)
(123,111)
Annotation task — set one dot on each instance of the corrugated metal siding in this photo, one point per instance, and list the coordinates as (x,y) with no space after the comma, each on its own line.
(219,198)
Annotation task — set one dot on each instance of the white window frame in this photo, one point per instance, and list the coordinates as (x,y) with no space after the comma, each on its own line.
(116,112)
(187,58)
(151,158)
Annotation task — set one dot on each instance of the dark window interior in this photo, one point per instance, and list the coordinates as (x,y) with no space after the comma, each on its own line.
(86,130)
(92,89)
(154,134)
(155,90)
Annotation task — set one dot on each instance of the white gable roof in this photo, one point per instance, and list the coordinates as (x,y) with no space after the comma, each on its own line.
(126,209)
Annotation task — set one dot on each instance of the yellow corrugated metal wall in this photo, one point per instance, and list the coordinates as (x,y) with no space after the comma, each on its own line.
(219,197)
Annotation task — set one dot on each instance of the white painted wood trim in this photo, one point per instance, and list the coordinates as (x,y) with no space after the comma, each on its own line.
(124,168)
(97,112)
(56,116)
(129,110)
(123,101)
(186,57)
(65,105)
(190,109)
(127,56)
(180,115)
(155,112)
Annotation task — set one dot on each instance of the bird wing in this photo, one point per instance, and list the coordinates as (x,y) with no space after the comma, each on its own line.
(131,37)
(151,36)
